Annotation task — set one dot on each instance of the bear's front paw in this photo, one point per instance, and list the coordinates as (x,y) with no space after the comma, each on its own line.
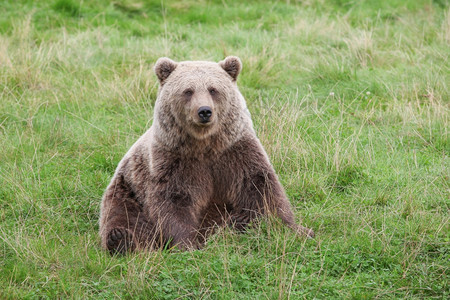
(303,231)
(120,241)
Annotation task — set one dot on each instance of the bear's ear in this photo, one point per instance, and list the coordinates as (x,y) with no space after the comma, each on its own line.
(232,65)
(163,68)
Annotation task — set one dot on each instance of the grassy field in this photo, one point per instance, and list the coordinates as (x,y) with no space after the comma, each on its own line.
(349,98)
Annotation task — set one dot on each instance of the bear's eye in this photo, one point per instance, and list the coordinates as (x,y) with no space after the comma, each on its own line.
(188,92)
(212,91)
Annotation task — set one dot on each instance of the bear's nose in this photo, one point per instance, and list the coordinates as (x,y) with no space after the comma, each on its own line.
(204,113)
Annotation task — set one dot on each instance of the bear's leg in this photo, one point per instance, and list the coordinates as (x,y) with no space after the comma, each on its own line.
(123,225)
(213,216)
(251,203)
(262,194)
(176,223)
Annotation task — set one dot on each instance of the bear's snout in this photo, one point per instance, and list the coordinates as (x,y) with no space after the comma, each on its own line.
(205,113)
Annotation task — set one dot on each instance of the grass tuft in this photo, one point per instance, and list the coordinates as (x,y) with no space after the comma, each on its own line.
(68,7)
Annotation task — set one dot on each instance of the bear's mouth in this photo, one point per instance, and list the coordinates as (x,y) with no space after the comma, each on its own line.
(200,130)
(203,125)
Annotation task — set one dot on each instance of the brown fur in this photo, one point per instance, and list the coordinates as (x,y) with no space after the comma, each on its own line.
(182,178)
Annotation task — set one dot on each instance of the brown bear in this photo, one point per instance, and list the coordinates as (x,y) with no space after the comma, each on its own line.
(199,166)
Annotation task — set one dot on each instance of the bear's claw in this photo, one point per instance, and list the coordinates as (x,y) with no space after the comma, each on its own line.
(303,231)
(120,241)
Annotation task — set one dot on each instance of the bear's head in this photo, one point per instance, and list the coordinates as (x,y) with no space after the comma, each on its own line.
(198,99)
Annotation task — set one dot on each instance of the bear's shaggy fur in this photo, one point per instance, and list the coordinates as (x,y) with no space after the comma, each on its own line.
(191,172)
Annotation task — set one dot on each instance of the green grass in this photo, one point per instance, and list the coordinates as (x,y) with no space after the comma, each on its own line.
(349,98)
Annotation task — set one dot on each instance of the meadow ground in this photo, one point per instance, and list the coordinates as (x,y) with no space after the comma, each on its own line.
(349,98)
